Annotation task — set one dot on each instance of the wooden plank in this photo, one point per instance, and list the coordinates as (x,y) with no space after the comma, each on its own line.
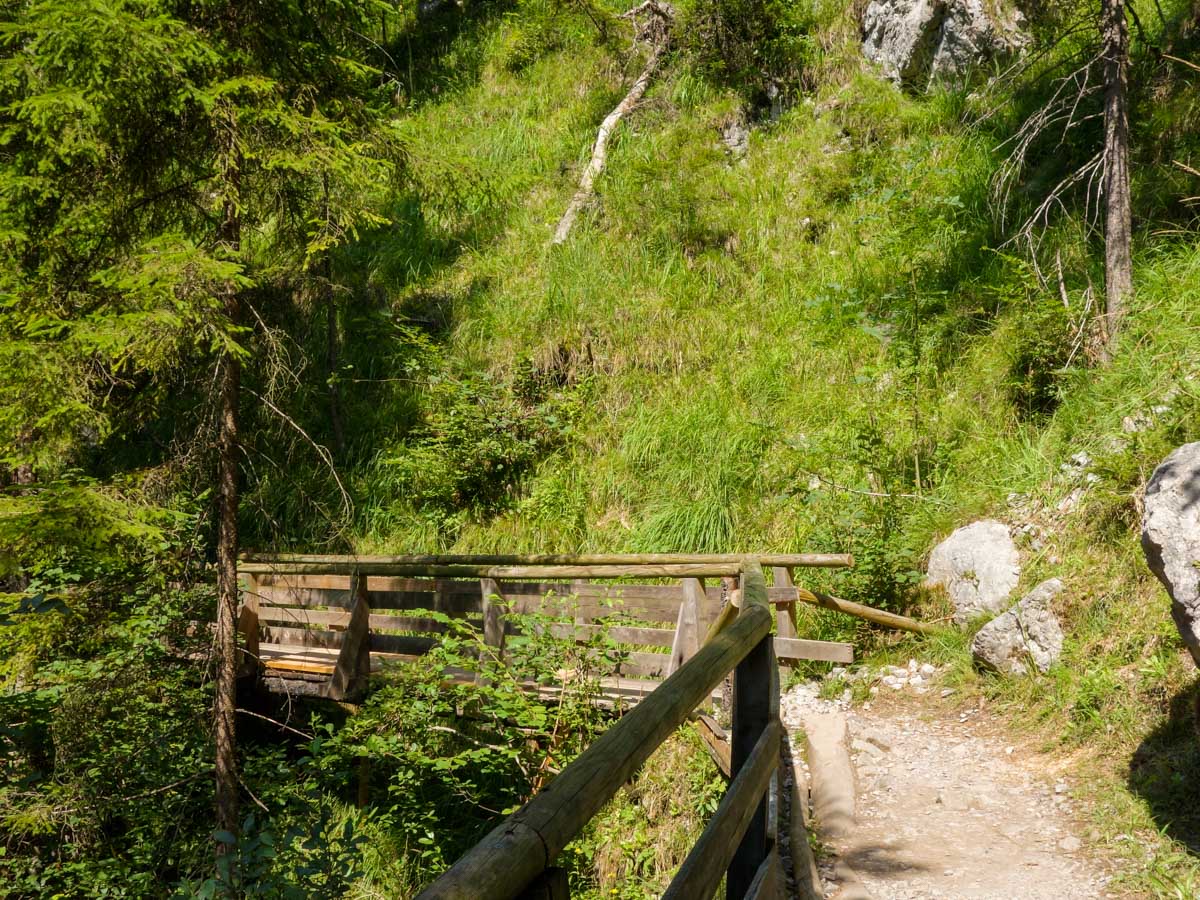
(493,621)
(825,560)
(785,626)
(708,860)
(621,634)
(303,617)
(493,611)
(302,637)
(716,741)
(453,605)
(645,665)
(296,664)
(354,659)
(248,627)
(687,625)
(824,651)
(522,845)
(768,880)
(755,696)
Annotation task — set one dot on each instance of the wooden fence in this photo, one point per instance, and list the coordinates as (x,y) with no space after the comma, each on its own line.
(517,858)
(327,620)
(317,625)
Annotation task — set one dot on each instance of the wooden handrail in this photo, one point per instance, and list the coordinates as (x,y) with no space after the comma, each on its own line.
(522,847)
(700,873)
(349,566)
(803,560)
(501,865)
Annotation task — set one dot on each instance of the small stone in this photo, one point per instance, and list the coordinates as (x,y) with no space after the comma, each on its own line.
(927,670)
(877,739)
(866,747)
(916,680)
(1008,751)
(912,665)
(1060,788)
(946,692)
(1070,844)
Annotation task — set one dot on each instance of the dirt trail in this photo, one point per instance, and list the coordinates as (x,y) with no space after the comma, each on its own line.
(945,810)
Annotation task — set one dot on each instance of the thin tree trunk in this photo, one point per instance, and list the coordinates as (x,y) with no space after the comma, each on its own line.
(1118,225)
(225,703)
(333,354)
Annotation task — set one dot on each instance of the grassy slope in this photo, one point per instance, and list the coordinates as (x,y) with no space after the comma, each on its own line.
(826,307)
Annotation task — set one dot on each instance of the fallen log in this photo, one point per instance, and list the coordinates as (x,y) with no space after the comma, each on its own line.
(660,17)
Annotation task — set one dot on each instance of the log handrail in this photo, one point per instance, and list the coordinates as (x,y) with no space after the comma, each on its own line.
(349,565)
(710,857)
(800,560)
(526,844)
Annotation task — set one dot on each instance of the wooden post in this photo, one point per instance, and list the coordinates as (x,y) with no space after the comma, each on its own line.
(786,626)
(248,627)
(353,667)
(493,619)
(687,626)
(755,705)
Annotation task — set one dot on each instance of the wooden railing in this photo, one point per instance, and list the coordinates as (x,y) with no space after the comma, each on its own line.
(315,624)
(517,858)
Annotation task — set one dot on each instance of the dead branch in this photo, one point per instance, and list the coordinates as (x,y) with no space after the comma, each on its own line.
(655,29)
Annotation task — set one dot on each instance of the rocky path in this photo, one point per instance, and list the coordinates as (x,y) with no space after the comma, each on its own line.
(943,809)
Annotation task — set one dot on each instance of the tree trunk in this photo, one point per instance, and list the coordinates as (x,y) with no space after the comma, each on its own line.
(1118,225)
(225,704)
(333,355)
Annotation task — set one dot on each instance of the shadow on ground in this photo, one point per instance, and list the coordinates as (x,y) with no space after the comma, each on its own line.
(1165,771)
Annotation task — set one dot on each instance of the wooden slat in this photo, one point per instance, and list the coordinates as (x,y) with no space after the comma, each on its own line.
(302,637)
(453,605)
(248,628)
(716,741)
(824,651)
(354,658)
(687,624)
(521,846)
(621,634)
(297,664)
(785,625)
(768,880)
(302,617)
(755,711)
(700,873)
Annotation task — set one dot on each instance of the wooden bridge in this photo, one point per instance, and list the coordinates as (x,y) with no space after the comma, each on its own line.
(319,625)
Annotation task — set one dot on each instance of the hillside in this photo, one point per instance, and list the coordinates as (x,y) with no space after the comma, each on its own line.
(800,314)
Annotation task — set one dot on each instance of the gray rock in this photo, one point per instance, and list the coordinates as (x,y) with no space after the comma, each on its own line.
(1070,844)
(1171,537)
(1027,632)
(735,135)
(917,42)
(978,565)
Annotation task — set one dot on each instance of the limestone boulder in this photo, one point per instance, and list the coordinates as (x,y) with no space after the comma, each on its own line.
(979,567)
(916,42)
(1171,537)
(1028,634)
